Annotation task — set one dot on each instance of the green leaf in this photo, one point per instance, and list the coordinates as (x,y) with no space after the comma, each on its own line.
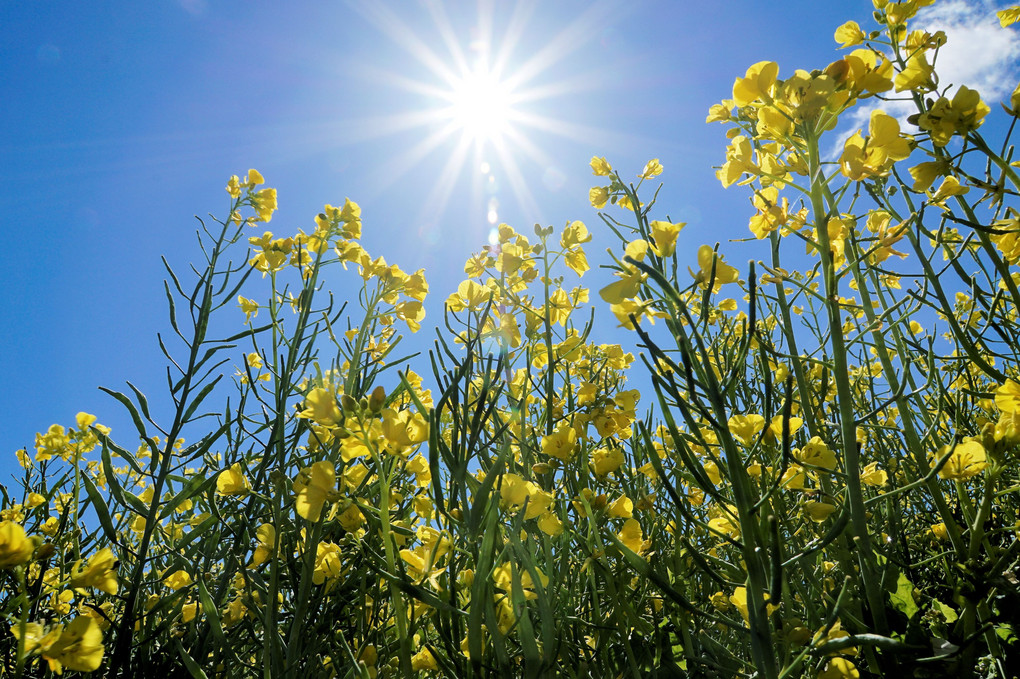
(193,669)
(903,597)
(126,402)
(201,396)
(211,612)
(948,611)
(99,503)
(196,485)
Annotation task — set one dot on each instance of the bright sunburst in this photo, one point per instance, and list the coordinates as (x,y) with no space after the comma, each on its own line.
(479,106)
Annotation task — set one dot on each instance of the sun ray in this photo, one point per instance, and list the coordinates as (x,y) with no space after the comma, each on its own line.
(443,187)
(446,33)
(518,185)
(480,107)
(403,163)
(513,33)
(403,37)
(566,41)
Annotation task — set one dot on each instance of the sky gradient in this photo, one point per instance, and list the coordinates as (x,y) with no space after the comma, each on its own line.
(121,121)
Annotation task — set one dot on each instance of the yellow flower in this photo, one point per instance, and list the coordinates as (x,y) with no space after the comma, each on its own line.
(632,537)
(873,476)
(968,459)
(327,562)
(862,159)
(925,174)
(79,647)
(839,668)
(945,118)
(713,269)
(917,74)
(950,187)
(739,159)
(653,168)
(621,508)
(1008,16)
(664,235)
(423,660)
(314,486)
(1007,397)
(15,547)
(756,84)
(746,427)
(513,490)
(100,572)
(775,430)
(939,531)
(264,202)
(816,454)
(600,167)
(724,520)
(599,196)
(234,187)
(550,524)
(177,580)
(718,113)
(53,442)
(249,306)
(739,599)
(849,34)
(232,481)
(712,470)
(502,577)
(266,536)
(322,408)
(818,511)
(606,460)
(562,443)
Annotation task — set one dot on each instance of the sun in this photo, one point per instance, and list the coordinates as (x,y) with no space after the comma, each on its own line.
(481,105)
(483,99)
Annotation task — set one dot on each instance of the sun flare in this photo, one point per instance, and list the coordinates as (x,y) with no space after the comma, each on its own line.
(481,105)
(471,99)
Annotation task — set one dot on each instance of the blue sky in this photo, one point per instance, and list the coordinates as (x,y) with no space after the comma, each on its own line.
(122,120)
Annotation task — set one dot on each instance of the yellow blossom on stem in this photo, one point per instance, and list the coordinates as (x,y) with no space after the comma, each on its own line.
(231,481)
(600,167)
(756,85)
(746,427)
(713,270)
(15,547)
(664,236)
(968,459)
(839,668)
(950,187)
(871,475)
(100,572)
(849,34)
(1008,16)
(632,537)
(1007,397)
(313,486)
(816,454)
(179,579)
(917,74)
(562,443)
(653,168)
(79,647)
(321,407)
